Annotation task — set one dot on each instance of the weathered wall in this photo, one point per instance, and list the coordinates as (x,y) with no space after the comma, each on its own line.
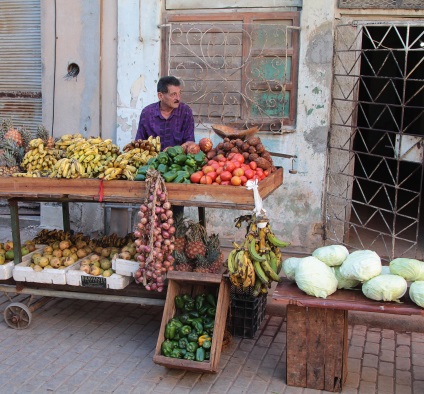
(295,208)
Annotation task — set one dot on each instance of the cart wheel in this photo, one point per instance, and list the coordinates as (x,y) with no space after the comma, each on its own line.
(17,315)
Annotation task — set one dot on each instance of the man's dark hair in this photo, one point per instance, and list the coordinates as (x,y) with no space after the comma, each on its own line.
(164,82)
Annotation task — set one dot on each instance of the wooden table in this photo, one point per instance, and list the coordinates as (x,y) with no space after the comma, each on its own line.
(317,347)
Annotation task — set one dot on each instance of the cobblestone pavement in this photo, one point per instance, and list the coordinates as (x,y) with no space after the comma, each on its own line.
(76,346)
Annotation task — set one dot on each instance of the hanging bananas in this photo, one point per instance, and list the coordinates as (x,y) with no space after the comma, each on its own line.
(256,263)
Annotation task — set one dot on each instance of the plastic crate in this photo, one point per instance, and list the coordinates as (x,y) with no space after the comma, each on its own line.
(247,314)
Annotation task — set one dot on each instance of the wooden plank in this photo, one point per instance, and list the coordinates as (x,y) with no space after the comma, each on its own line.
(288,293)
(88,190)
(194,276)
(316,347)
(296,346)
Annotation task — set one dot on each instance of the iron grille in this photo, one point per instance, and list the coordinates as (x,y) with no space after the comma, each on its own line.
(407,4)
(238,73)
(375,153)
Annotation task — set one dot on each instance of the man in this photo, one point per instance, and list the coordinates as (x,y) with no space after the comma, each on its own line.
(169,118)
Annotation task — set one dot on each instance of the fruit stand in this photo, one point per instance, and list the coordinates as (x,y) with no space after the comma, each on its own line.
(65,191)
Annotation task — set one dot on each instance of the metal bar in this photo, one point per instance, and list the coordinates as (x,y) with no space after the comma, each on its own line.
(16,233)
(283,155)
(202,216)
(66,217)
(39,303)
(83,296)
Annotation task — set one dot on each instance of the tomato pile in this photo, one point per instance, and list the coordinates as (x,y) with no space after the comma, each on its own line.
(230,170)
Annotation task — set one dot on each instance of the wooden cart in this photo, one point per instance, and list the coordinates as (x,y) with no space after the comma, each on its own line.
(65,191)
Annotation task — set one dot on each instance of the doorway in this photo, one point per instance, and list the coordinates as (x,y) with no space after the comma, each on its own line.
(376,142)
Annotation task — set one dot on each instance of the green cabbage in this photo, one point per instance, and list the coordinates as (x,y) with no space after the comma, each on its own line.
(385,288)
(410,269)
(332,255)
(289,266)
(315,277)
(344,283)
(416,292)
(361,265)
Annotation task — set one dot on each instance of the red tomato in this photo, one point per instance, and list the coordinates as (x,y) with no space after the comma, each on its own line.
(195,177)
(245,166)
(266,173)
(206,180)
(215,165)
(221,163)
(230,156)
(229,166)
(215,183)
(225,182)
(210,162)
(249,173)
(238,157)
(236,181)
(207,169)
(212,175)
(236,163)
(218,180)
(238,172)
(226,176)
(221,157)
(219,170)
(253,165)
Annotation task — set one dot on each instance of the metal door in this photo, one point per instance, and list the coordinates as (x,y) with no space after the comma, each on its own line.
(375,151)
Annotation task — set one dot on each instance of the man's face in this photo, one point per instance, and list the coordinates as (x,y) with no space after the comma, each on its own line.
(172,98)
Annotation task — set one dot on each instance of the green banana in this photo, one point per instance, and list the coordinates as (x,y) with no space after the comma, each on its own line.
(231,261)
(269,272)
(260,274)
(253,253)
(272,260)
(275,241)
(257,288)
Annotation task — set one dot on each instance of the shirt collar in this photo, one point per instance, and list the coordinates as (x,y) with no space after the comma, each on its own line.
(173,113)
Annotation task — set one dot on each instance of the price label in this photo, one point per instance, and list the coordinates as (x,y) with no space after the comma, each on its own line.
(93,281)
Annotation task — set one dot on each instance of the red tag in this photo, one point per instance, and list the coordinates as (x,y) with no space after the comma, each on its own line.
(101,190)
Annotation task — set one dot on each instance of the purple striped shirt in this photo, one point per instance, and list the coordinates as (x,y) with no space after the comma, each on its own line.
(175,130)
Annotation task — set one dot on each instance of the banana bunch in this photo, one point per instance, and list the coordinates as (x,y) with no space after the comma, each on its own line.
(152,144)
(65,140)
(34,174)
(112,173)
(38,157)
(68,168)
(258,262)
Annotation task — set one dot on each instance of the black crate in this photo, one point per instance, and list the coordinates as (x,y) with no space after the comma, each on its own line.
(247,314)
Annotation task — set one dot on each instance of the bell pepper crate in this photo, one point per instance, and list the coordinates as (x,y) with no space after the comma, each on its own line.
(76,277)
(24,273)
(194,283)
(6,270)
(125,267)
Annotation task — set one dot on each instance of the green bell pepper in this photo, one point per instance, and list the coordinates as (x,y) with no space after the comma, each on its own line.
(193,314)
(162,158)
(187,180)
(197,325)
(200,300)
(200,158)
(211,299)
(203,338)
(170,331)
(169,176)
(166,348)
(162,168)
(192,347)
(179,303)
(190,170)
(140,177)
(182,343)
(176,322)
(189,356)
(206,344)
(189,305)
(184,317)
(192,337)
(200,354)
(208,323)
(185,330)
(179,179)
(175,167)
(171,152)
(179,159)
(191,162)
(179,149)
(207,355)
(176,353)
(174,344)
(211,312)
(143,169)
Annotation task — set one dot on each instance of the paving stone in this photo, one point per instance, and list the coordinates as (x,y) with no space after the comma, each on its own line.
(354,365)
(369,374)
(403,351)
(385,384)
(386,369)
(373,336)
(352,380)
(417,347)
(403,363)
(403,377)
(367,388)
(355,352)
(389,334)
(372,348)
(357,340)
(402,389)
(370,360)
(387,355)
(403,339)
(417,337)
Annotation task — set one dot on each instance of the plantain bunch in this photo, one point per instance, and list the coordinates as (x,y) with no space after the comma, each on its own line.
(68,168)
(38,158)
(258,262)
(65,140)
(33,174)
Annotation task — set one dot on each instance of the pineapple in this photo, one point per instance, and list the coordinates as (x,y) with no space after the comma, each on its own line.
(11,133)
(195,244)
(181,225)
(26,138)
(214,258)
(202,264)
(181,262)
(8,165)
(44,134)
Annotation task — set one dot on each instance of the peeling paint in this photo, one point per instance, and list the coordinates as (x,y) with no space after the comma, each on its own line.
(316,90)
(137,86)
(309,111)
(319,106)
(317,138)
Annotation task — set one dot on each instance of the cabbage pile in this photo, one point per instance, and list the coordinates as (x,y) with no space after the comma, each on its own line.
(409,269)
(385,288)
(416,292)
(361,265)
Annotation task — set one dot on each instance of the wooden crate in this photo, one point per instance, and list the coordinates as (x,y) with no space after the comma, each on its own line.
(316,348)
(194,283)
